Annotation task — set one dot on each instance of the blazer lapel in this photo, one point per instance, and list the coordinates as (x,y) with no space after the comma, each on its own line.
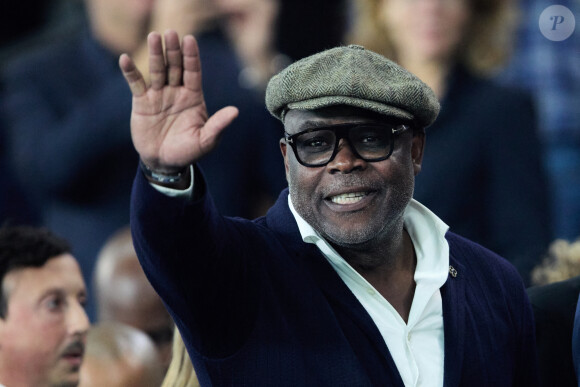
(281,220)
(341,298)
(453,296)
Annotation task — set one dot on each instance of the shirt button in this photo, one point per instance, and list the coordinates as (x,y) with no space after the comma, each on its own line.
(409,336)
(371,291)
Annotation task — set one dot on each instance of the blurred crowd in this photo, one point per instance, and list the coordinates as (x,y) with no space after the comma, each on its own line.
(502,161)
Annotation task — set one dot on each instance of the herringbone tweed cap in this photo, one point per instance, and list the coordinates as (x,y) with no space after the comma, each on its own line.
(353,76)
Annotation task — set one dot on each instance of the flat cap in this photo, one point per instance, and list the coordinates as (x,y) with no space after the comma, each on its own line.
(354,76)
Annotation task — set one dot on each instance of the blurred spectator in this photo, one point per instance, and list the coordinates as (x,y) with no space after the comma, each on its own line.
(482,171)
(118,355)
(67,108)
(181,372)
(265,37)
(124,294)
(310,26)
(15,205)
(554,307)
(21,19)
(26,23)
(562,263)
(554,302)
(251,26)
(551,71)
(43,324)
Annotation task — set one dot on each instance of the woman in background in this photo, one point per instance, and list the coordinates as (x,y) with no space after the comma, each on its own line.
(180,372)
(482,171)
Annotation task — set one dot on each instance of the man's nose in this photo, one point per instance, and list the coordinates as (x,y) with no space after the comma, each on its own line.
(78,319)
(346,160)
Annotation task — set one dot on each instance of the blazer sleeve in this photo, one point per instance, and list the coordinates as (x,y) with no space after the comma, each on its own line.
(200,264)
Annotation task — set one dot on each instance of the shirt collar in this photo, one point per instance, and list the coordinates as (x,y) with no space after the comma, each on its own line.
(427,232)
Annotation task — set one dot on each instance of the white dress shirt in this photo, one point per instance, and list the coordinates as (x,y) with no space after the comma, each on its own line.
(417,347)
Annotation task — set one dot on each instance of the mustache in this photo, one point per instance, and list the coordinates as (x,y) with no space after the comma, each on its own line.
(76,347)
(345,182)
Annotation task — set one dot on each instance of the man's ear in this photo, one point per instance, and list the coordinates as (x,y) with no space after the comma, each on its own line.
(284,150)
(417,150)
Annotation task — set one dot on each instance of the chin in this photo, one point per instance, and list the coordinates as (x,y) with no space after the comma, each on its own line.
(350,238)
(71,379)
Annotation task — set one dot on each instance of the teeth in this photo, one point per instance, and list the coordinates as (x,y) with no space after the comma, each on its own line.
(348,198)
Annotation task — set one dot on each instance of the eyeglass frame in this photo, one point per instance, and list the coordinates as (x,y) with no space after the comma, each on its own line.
(342,131)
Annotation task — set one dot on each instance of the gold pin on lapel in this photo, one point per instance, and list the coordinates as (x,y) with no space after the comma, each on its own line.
(452,271)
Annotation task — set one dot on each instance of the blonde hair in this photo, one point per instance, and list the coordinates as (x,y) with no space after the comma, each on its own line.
(127,355)
(487,44)
(562,263)
(180,372)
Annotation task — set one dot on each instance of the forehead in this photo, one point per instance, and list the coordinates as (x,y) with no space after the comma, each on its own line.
(298,120)
(61,272)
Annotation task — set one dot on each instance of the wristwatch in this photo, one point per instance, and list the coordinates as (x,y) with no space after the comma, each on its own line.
(162,178)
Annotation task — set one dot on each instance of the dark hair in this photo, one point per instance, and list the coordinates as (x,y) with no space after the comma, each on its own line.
(26,246)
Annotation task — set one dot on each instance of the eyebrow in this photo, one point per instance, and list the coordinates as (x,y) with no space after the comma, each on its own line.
(312,124)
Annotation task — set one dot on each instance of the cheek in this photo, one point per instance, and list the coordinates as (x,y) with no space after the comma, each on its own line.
(38,330)
(295,183)
(399,176)
(36,345)
(397,19)
(302,184)
(296,175)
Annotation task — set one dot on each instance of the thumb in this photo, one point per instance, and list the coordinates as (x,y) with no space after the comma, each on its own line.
(216,124)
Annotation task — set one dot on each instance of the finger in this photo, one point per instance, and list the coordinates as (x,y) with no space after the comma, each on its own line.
(174,58)
(157,70)
(215,125)
(132,75)
(191,64)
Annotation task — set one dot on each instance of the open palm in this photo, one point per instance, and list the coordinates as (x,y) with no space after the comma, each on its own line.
(169,121)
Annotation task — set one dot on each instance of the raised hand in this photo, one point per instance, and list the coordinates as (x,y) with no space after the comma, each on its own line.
(169,121)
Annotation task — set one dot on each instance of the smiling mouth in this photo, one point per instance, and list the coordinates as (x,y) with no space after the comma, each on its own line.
(348,198)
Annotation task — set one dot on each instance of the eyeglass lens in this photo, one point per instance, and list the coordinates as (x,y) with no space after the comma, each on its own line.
(370,142)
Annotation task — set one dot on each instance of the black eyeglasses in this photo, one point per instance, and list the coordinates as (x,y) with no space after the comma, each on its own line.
(318,146)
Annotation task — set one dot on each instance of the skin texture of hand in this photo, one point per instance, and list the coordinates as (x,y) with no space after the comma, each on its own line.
(170,126)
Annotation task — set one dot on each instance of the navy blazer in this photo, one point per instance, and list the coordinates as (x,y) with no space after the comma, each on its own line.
(257,306)
(482,170)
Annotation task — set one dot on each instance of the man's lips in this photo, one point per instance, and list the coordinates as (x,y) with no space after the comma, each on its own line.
(349,200)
